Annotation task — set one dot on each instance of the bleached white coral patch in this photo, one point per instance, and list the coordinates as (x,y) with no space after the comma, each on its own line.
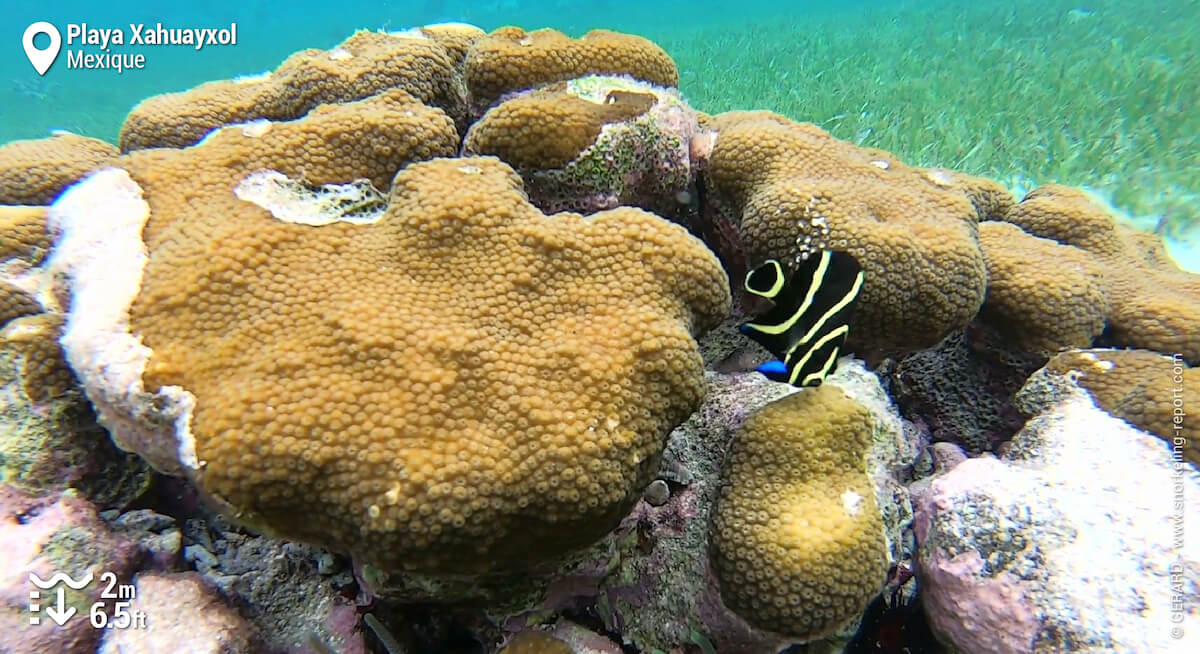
(851,502)
(291,201)
(456,25)
(410,33)
(99,255)
(940,177)
(252,79)
(256,128)
(597,88)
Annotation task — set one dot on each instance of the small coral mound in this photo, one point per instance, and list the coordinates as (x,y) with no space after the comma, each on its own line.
(33,341)
(35,172)
(362,65)
(29,327)
(1076,276)
(783,190)
(1146,389)
(798,538)
(549,127)
(511,59)
(457,384)
(595,143)
(50,439)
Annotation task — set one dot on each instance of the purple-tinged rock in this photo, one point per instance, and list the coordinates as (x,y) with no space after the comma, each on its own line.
(45,536)
(1067,543)
(179,612)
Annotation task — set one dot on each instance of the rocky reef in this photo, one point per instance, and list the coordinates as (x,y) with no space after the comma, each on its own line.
(427,343)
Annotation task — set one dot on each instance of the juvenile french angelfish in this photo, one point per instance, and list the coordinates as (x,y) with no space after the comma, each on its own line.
(810,319)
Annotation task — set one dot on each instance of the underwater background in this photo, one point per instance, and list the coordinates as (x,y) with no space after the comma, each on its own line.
(1028,92)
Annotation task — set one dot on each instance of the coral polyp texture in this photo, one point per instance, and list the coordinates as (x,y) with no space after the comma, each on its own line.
(363,65)
(595,143)
(453,382)
(23,234)
(798,539)
(33,341)
(1139,387)
(430,299)
(1064,273)
(777,189)
(1044,295)
(511,59)
(456,38)
(16,302)
(34,172)
(549,127)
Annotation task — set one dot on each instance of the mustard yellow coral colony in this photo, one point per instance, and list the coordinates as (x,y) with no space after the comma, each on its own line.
(798,541)
(349,332)
(1080,274)
(463,383)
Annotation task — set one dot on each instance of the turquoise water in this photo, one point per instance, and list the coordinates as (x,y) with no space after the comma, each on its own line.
(1101,95)
(94,102)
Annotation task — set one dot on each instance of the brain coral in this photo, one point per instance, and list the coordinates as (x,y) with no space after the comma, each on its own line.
(1144,388)
(362,65)
(457,384)
(798,539)
(1072,274)
(35,172)
(595,143)
(511,59)
(779,189)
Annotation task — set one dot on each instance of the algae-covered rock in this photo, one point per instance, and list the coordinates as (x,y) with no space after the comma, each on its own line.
(49,439)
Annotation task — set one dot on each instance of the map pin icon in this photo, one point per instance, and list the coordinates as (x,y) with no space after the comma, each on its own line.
(41,59)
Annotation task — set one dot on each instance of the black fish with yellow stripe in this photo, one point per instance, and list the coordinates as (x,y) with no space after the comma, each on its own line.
(810,319)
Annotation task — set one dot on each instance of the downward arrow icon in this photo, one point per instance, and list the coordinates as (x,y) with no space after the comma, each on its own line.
(61,612)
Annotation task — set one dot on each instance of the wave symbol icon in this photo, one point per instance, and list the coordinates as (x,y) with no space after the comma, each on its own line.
(58,578)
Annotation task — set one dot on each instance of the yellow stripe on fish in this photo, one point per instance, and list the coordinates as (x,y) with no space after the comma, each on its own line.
(810,320)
